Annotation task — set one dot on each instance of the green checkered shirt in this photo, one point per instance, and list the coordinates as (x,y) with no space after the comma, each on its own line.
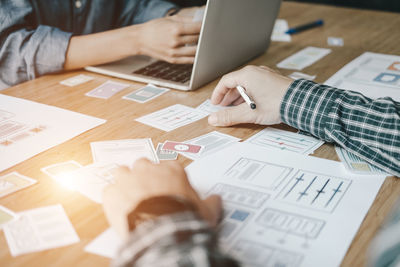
(369,128)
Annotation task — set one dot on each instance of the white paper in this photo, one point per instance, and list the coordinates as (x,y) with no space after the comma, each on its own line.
(90,180)
(13,182)
(285,140)
(209,108)
(335,41)
(106,244)
(76,80)
(123,152)
(39,229)
(172,117)
(356,164)
(299,75)
(6,216)
(28,128)
(211,142)
(146,93)
(279,32)
(61,168)
(304,58)
(374,75)
(284,209)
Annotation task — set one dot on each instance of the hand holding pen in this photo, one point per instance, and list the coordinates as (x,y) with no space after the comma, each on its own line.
(245,88)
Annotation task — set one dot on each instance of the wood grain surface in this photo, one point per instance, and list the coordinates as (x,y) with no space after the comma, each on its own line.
(361,30)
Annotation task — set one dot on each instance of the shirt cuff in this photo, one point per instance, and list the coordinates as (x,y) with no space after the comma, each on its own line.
(306,106)
(164,231)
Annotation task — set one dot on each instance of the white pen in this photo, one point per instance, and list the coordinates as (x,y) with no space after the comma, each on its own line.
(246,97)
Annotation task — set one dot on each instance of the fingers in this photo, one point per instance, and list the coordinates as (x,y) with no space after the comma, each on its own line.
(121,170)
(190,28)
(227,82)
(168,58)
(231,116)
(230,97)
(238,101)
(213,204)
(188,39)
(179,60)
(184,51)
(185,25)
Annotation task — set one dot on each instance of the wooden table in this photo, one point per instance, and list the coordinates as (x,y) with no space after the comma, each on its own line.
(362,31)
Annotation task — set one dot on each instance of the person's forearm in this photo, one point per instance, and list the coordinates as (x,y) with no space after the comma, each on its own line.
(100,48)
(180,237)
(366,127)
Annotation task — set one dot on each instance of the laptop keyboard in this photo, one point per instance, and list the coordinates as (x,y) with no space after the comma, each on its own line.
(180,73)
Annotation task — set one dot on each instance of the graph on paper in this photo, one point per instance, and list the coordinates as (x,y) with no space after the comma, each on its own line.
(12,131)
(211,142)
(314,191)
(256,254)
(234,219)
(258,173)
(238,195)
(294,224)
(172,117)
(285,140)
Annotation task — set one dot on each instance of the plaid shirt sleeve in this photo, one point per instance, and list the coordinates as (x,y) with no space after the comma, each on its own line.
(369,128)
(177,240)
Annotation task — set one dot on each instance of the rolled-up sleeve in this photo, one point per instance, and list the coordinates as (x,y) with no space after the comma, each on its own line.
(27,51)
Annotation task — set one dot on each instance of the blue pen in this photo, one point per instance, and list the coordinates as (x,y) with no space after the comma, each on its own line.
(304,27)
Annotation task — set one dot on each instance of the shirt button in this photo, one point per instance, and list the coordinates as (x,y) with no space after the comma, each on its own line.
(78,4)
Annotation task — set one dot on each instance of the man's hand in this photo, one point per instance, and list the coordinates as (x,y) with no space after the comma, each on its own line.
(170,39)
(147,180)
(266,87)
(173,39)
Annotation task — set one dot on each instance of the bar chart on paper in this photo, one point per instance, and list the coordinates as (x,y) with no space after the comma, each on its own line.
(172,117)
(285,140)
(314,191)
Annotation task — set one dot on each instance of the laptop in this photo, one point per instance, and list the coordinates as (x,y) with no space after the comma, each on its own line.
(233,32)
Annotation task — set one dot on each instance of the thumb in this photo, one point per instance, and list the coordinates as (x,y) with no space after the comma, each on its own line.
(231,116)
(213,204)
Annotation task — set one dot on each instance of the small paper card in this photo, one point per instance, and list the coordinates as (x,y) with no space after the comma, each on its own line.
(107,89)
(13,182)
(303,58)
(146,93)
(6,216)
(165,154)
(39,229)
(182,147)
(76,80)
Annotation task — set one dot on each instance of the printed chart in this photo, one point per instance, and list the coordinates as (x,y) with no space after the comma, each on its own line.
(260,255)
(295,224)
(258,173)
(30,128)
(374,75)
(285,140)
(234,219)
(172,117)
(238,195)
(314,191)
(211,142)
